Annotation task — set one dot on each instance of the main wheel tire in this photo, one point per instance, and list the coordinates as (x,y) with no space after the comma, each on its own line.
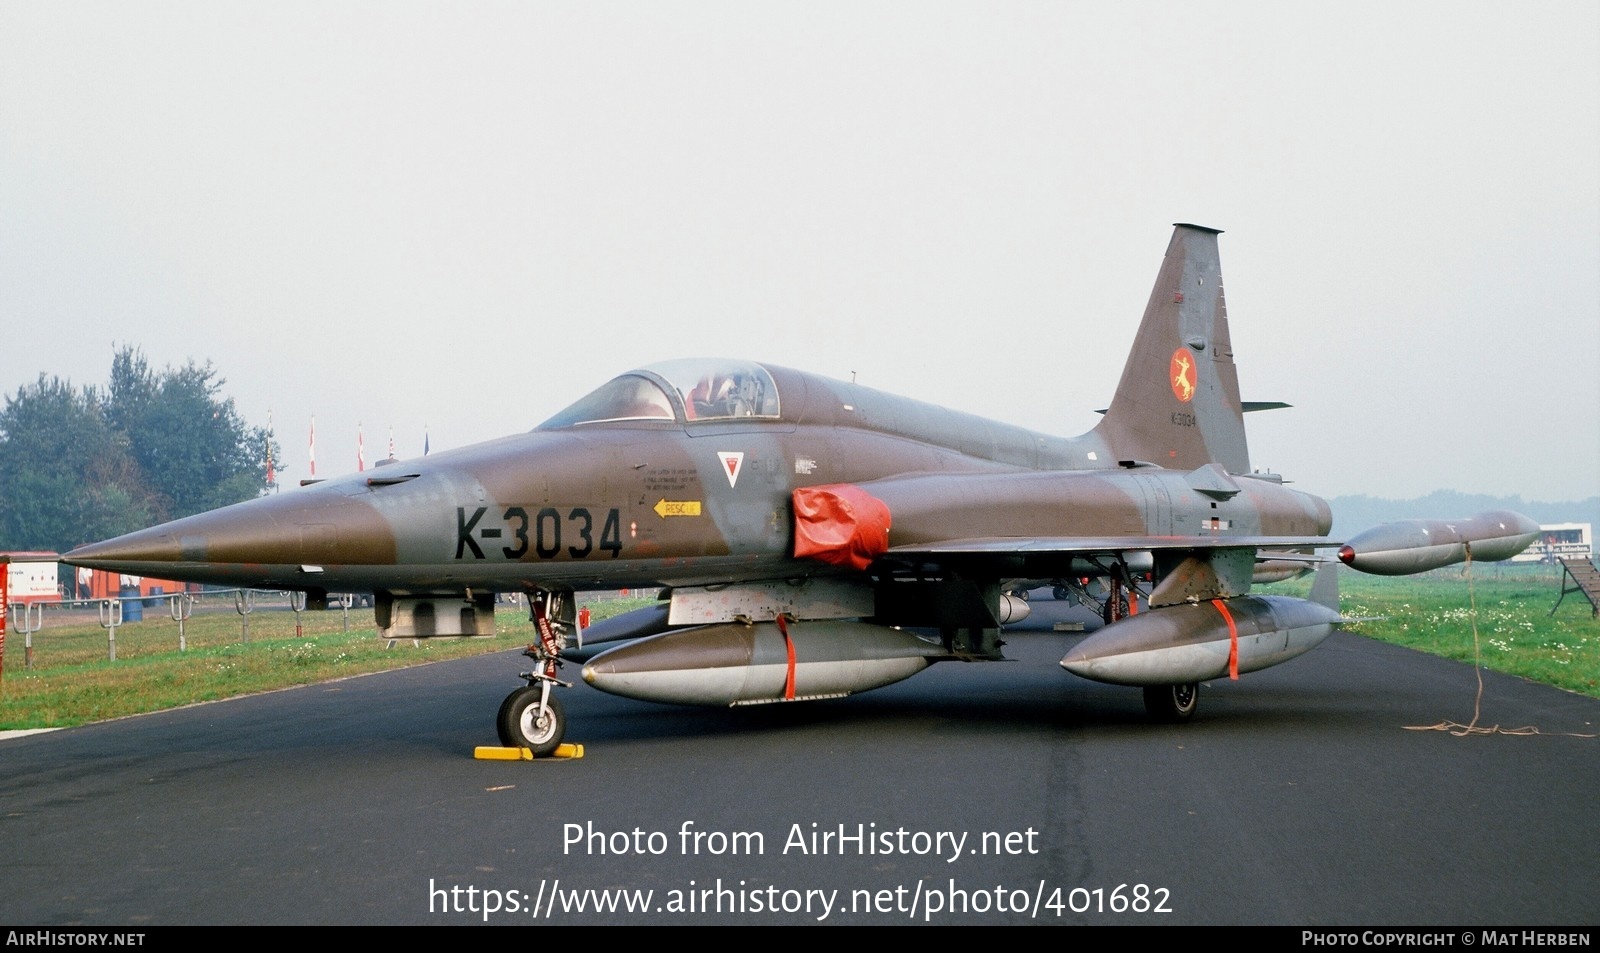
(522,723)
(1172,703)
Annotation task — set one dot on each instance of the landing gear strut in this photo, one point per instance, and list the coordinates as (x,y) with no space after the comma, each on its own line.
(1122,599)
(530,717)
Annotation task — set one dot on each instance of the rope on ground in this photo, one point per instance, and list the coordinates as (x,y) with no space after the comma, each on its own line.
(1473,728)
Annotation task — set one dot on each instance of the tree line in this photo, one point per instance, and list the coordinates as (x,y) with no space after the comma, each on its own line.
(84,464)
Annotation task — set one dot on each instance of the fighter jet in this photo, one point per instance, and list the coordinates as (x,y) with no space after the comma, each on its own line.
(815,538)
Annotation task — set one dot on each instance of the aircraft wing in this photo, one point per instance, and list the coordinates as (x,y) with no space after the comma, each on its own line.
(1092,545)
(1190,567)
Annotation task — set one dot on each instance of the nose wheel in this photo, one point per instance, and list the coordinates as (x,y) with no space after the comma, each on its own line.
(531,718)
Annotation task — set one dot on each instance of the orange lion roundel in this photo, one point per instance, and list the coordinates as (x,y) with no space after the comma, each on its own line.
(1181,373)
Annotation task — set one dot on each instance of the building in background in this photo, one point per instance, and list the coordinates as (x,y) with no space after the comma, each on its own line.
(1557,540)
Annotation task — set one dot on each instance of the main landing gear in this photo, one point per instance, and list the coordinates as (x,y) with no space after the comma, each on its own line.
(1172,703)
(531,717)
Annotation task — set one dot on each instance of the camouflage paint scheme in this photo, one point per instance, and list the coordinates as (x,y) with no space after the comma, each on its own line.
(706,474)
(586,497)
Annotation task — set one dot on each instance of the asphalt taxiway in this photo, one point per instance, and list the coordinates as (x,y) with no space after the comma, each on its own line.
(972,793)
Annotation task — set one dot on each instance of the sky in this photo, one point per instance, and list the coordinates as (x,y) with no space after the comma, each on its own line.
(456,219)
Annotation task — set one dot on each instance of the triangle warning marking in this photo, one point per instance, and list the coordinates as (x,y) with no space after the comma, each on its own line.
(732,462)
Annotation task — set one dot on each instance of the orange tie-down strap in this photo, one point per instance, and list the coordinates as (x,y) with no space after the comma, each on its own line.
(788,645)
(1233,639)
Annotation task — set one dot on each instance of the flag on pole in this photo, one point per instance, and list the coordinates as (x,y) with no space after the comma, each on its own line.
(361,449)
(5,606)
(311,452)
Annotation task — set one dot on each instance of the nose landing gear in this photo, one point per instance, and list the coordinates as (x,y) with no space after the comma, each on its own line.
(531,717)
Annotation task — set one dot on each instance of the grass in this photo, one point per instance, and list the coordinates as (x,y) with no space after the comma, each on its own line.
(72,681)
(1508,605)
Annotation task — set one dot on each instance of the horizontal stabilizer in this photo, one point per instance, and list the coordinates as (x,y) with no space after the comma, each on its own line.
(1249,406)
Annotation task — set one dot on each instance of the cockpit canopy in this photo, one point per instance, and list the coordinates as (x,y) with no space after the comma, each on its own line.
(688,390)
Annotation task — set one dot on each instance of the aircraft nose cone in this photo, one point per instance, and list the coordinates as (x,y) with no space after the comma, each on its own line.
(146,545)
(206,538)
(246,541)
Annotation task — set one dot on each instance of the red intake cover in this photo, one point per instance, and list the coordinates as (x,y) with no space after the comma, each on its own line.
(840,524)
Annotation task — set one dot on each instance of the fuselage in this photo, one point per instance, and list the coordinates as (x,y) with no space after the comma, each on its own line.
(656,480)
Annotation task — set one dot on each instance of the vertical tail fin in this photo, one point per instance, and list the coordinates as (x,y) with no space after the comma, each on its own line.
(1177,405)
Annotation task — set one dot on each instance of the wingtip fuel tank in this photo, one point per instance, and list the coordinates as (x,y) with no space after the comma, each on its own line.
(1413,546)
